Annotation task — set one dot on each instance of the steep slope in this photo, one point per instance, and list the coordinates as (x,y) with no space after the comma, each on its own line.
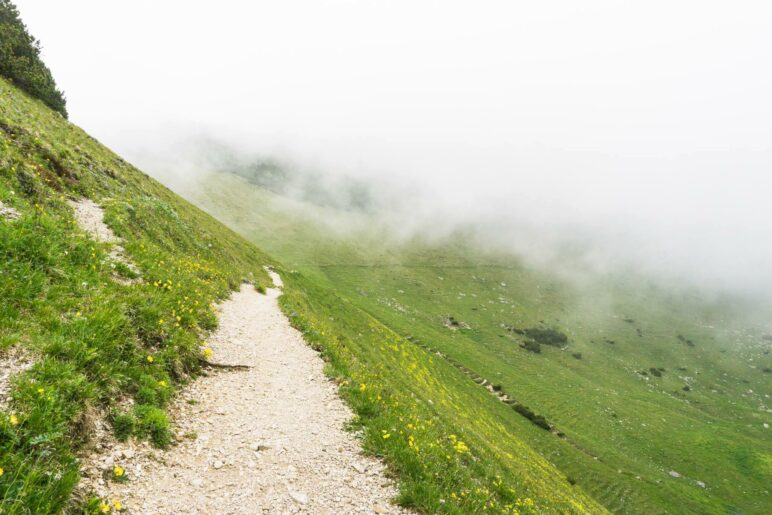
(104,323)
(94,332)
(657,400)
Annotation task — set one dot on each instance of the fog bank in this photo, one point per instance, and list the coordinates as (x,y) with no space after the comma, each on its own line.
(638,133)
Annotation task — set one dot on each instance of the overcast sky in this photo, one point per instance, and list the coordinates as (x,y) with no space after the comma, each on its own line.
(651,121)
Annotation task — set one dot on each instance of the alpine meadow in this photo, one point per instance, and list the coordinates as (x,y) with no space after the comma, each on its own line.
(340,278)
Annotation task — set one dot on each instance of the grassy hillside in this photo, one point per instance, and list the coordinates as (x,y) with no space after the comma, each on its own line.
(656,402)
(486,385)
(95,340)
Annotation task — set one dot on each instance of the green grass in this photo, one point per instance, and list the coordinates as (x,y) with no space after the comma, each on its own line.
(95,342)
(378,309)
(381,312)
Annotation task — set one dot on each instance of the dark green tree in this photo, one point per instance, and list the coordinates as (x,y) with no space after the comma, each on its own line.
(20,60)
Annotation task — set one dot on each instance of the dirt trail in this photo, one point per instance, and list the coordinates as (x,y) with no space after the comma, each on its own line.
(265,440)
(90,217)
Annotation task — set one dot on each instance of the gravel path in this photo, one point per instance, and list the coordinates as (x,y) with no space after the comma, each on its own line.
(265,440)
(90,217)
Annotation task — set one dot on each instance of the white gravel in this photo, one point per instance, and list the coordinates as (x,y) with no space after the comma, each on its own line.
(12,361)
(267,440)
(8,212)
(90,218)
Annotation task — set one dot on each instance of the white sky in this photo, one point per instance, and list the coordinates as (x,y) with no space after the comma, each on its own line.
(654,115)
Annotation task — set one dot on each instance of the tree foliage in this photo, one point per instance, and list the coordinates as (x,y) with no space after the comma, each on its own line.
(20,60)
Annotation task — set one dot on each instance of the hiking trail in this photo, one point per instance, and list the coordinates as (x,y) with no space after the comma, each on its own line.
(269,439)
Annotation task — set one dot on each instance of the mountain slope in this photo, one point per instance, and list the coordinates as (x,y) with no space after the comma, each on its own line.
(99,333)
(661,395)
(95,332)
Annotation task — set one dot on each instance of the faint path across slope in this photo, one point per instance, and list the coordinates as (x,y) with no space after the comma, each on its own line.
(12,361)
(90,218)
(265,440)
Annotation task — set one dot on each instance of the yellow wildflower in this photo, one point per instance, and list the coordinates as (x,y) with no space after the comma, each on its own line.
(117,505)
(207,352)
(386,436)
(162,383)
(150,358)
(362,387)
(14,420)
(118,471)
(2,471)
(104,507)
(41,391)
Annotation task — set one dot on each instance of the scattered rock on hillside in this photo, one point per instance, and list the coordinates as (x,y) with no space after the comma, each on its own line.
(452,323)
(12,362)
(8,213)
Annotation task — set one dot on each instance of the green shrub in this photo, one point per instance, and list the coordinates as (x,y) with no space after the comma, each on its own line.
(20,60)
(531,346)
(547,336)
(154,424)
(123,426)
(152,392)
(147,395)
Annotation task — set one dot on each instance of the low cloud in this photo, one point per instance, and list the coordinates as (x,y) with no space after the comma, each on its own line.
(633,135)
